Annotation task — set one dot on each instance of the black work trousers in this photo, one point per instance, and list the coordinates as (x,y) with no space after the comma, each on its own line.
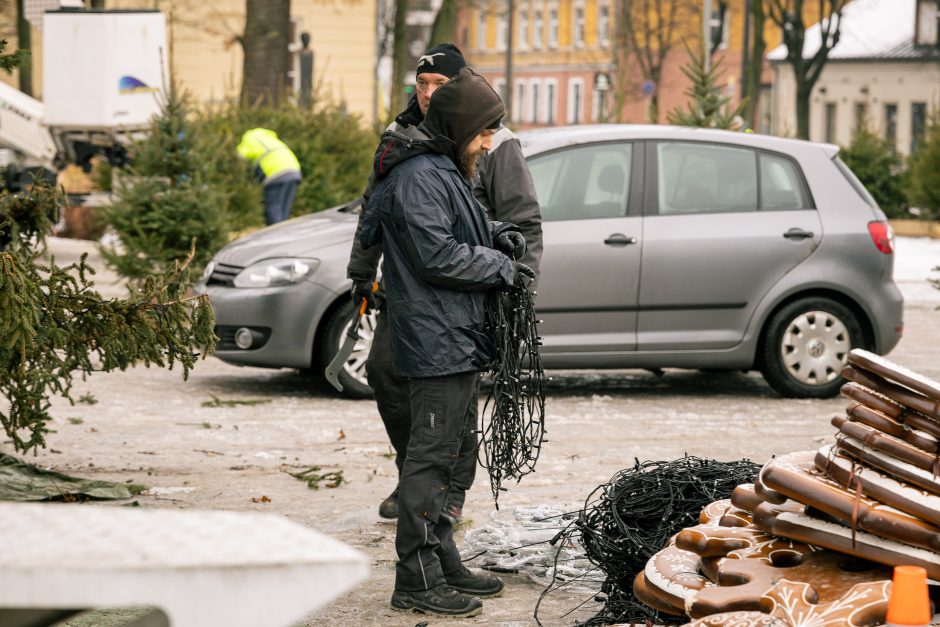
(439,467)
(393,398)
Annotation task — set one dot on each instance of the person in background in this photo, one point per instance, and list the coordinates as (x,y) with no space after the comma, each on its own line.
(503,185)
(276,166)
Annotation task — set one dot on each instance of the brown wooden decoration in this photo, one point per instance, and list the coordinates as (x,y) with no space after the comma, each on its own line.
(794,603)
(903,415)
(887,444)
(890,465)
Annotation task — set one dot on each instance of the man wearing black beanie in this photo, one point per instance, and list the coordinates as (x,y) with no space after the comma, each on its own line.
(440,260)
(504,187)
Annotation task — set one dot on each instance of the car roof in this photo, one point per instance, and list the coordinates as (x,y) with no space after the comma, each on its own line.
(549,138)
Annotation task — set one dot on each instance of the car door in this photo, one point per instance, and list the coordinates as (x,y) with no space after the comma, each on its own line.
(723,224)
(589,270)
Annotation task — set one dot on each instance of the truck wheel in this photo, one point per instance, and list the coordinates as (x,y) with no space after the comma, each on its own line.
(353,375)
(805,346)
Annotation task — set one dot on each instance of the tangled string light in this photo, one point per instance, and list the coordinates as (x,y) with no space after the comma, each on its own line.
(514,413)
(627,520)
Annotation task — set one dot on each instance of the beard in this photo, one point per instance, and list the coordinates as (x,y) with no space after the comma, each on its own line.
(468,163)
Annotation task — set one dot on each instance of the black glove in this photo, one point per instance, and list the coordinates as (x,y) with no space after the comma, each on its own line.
(524,270)
(512,243)
(360,290)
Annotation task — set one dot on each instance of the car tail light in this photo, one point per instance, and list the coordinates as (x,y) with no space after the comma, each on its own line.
(882,235)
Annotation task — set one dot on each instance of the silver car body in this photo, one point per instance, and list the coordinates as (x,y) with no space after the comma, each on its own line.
(624,284)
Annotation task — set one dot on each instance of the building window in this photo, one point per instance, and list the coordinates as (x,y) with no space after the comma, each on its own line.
(534,102)
(553,27)
(481,30)
(861,116)
(603,25)
(579,25)
(575,100)
(891,124)
(927,23)
(831,122)
(518,104)
(523,37)
(538,26)
(551,101)
(502,31)
(918,124)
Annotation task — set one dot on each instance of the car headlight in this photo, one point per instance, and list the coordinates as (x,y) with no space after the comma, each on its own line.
(273,272)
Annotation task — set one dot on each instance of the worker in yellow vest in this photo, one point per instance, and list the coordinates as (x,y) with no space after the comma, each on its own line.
(276,166)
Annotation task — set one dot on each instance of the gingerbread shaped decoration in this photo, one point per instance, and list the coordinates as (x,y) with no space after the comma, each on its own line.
(712,512)
(738,619)
(887,444)
(895,373)
(861,544)
(897,393)
(668,578)
(744,497)
(766,513)
(794,603)
(903,415)
(906,433)
(893,466)
(883,488)
(740,543)
(796,476)
(743,583)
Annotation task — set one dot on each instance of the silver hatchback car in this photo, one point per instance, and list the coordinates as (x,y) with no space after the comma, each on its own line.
(664,247)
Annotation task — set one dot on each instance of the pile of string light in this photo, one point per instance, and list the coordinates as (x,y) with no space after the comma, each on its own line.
(514,413)
(630,518)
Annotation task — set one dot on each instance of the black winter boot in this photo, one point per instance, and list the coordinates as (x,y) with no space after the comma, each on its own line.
(389,507)
(483,586)
(442,600)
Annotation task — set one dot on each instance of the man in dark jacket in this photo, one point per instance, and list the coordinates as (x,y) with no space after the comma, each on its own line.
(439,265)
(503,185)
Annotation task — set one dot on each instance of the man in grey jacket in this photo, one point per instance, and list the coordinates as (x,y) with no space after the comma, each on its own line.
(503,185)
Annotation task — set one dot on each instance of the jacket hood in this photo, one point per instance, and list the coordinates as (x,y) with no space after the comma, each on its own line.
(462,108)
(401,145)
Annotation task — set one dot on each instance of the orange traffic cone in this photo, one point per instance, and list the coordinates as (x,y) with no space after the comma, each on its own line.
(909,603)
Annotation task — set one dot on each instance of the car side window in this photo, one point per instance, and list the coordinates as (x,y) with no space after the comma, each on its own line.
(583,183)
(781,186)
(705,178)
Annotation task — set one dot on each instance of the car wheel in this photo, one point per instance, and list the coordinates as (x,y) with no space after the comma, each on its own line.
(805,346)
(353,375)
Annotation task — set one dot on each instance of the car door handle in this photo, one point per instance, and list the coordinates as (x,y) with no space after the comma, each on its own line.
(619,239)
(796,233)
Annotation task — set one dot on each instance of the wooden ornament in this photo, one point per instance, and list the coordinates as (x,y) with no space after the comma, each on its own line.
(885,424)
(887,444)
(794,603)
(737,619)
(860,543)
(743,583)
(796,476)
(897,393)
(670,576)
(895,373)
(893,466)
(884,488)
(744,497)
(903,415)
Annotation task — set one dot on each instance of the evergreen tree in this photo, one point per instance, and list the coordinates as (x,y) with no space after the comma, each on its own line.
(707,106)
(924,190)
(166,202)
(54,326)
(880,169)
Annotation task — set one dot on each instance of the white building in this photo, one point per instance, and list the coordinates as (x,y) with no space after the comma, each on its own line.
(885,71)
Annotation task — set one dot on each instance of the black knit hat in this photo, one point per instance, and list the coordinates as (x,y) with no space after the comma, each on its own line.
(462,108)
(443,59)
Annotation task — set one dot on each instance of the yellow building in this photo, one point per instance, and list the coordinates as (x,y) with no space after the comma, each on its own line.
(206,58)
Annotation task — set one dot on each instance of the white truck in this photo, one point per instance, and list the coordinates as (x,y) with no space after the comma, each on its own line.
(104,73)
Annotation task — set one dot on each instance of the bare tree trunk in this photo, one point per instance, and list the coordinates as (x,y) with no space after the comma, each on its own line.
(751,87)
(445,24)
(23,42)
(803,91)
(399,58)
(267,60)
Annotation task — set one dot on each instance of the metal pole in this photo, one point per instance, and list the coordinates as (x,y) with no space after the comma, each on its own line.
(707,32)
(507,99)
